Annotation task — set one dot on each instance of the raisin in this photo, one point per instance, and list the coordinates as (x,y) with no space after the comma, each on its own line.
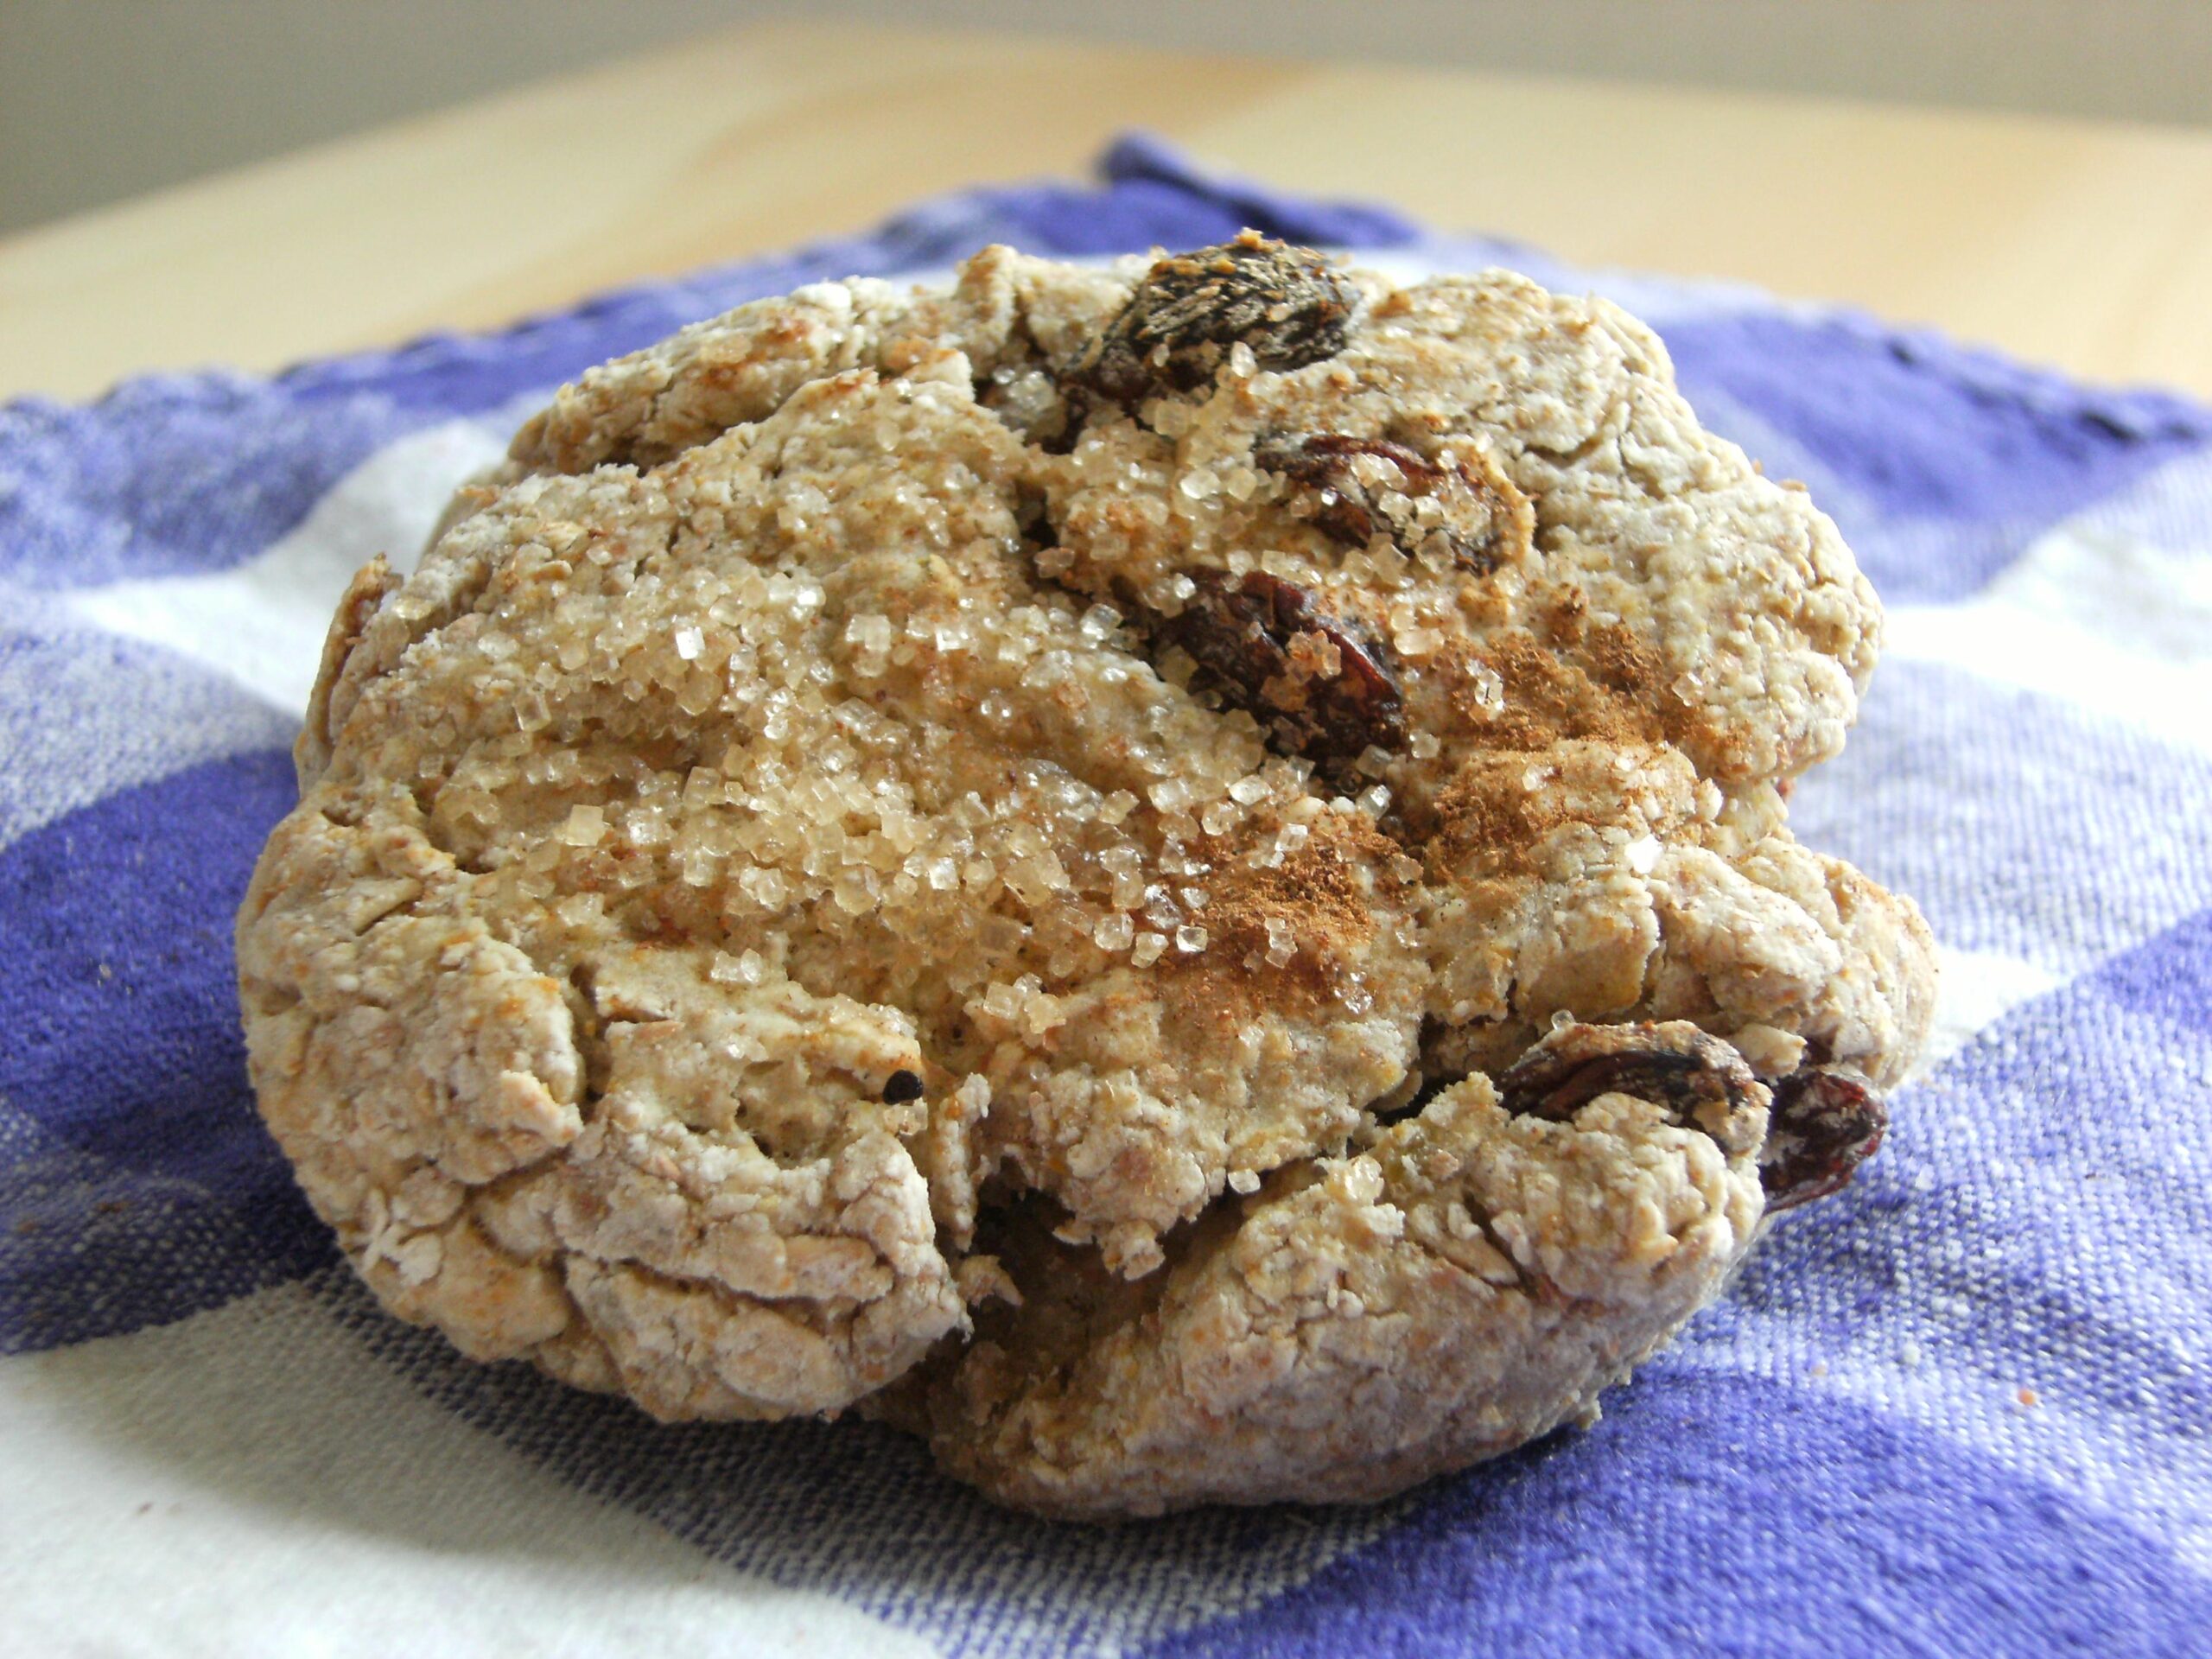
(1322,687)
(902,1086)
(1699,1079)
(1284,303)
(1353,489)
(1827,1120)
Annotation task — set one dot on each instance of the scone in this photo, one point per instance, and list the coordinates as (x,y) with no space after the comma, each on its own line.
(1175,877)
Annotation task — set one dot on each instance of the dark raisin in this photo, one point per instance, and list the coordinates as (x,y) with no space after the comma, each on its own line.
(1285,304)
(902,1086)
(1673,1066)
(1353,489)
(1328,696)
(1827,1120)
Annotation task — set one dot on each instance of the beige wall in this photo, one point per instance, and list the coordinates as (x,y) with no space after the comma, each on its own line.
(101,99)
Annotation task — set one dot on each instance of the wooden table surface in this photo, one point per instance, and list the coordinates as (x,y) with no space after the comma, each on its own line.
(2082,244)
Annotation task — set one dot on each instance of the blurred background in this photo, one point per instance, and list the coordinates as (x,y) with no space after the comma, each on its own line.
(104,100)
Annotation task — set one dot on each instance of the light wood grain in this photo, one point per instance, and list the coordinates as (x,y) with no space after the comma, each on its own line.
(2084,245)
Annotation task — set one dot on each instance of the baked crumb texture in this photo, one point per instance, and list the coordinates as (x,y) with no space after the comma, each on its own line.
(1174,876)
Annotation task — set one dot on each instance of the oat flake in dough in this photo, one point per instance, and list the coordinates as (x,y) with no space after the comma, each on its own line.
(1173,877)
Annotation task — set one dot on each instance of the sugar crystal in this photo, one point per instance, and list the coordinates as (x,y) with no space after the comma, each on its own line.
(744,969)
(1489,688)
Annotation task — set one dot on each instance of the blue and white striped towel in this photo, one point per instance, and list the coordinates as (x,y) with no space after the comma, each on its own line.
(1963,1409)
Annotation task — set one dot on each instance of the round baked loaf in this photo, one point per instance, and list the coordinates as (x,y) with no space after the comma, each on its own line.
(1174,876)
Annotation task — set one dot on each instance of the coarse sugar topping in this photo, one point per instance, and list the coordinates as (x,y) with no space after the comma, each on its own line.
(1060,753)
